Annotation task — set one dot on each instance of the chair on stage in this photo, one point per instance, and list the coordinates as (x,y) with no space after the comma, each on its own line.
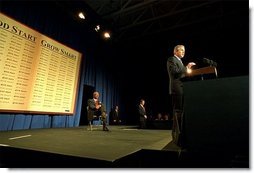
(93,118)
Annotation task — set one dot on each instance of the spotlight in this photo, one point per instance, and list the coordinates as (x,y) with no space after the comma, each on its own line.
(81,15)
(97,28)
(106,35)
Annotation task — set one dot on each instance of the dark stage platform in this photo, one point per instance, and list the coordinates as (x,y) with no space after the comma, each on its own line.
(121,147)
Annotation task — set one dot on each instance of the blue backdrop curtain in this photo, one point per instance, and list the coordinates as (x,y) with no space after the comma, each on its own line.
(58,24)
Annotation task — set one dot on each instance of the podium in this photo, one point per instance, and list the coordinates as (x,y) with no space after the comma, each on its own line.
(178,129)
(202,71)
(217,115)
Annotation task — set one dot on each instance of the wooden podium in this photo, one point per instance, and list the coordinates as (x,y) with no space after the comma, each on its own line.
(202,71)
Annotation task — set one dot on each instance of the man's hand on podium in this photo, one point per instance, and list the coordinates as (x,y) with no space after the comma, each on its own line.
(190,64)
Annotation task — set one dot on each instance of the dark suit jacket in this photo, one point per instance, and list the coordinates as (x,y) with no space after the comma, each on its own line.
(141,112)
(93,111)
(176,71)
(114,115)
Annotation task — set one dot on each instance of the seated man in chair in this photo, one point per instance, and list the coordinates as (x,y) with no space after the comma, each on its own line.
(96,108)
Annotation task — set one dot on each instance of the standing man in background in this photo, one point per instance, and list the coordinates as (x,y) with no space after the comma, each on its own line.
(142,114)
(114,116)
(176,71)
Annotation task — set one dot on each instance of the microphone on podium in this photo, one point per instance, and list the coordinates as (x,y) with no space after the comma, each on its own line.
(210,62)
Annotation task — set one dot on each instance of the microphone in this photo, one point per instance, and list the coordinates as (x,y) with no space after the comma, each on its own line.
(210,62)
(205,60)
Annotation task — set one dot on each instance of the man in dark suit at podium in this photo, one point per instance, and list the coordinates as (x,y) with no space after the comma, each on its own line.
(176,71)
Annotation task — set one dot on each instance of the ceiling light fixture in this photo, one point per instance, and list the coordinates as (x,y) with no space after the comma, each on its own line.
(81,15)
(106,35)
(97,28)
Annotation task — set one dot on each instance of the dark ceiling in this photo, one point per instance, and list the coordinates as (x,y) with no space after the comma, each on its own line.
(135,19)
(131,19)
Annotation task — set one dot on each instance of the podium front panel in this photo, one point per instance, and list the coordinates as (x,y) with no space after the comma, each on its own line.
(217,114)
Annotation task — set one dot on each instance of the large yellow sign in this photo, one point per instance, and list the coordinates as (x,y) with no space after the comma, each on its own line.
(37,73)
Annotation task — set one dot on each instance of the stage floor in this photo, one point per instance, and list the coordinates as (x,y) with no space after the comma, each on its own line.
(121,147)
(120,141)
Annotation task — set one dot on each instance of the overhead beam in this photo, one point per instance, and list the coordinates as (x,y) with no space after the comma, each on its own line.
(131,8)
(173,27)
(166,15)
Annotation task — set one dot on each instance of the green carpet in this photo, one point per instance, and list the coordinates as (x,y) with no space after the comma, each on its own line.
(118,142)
